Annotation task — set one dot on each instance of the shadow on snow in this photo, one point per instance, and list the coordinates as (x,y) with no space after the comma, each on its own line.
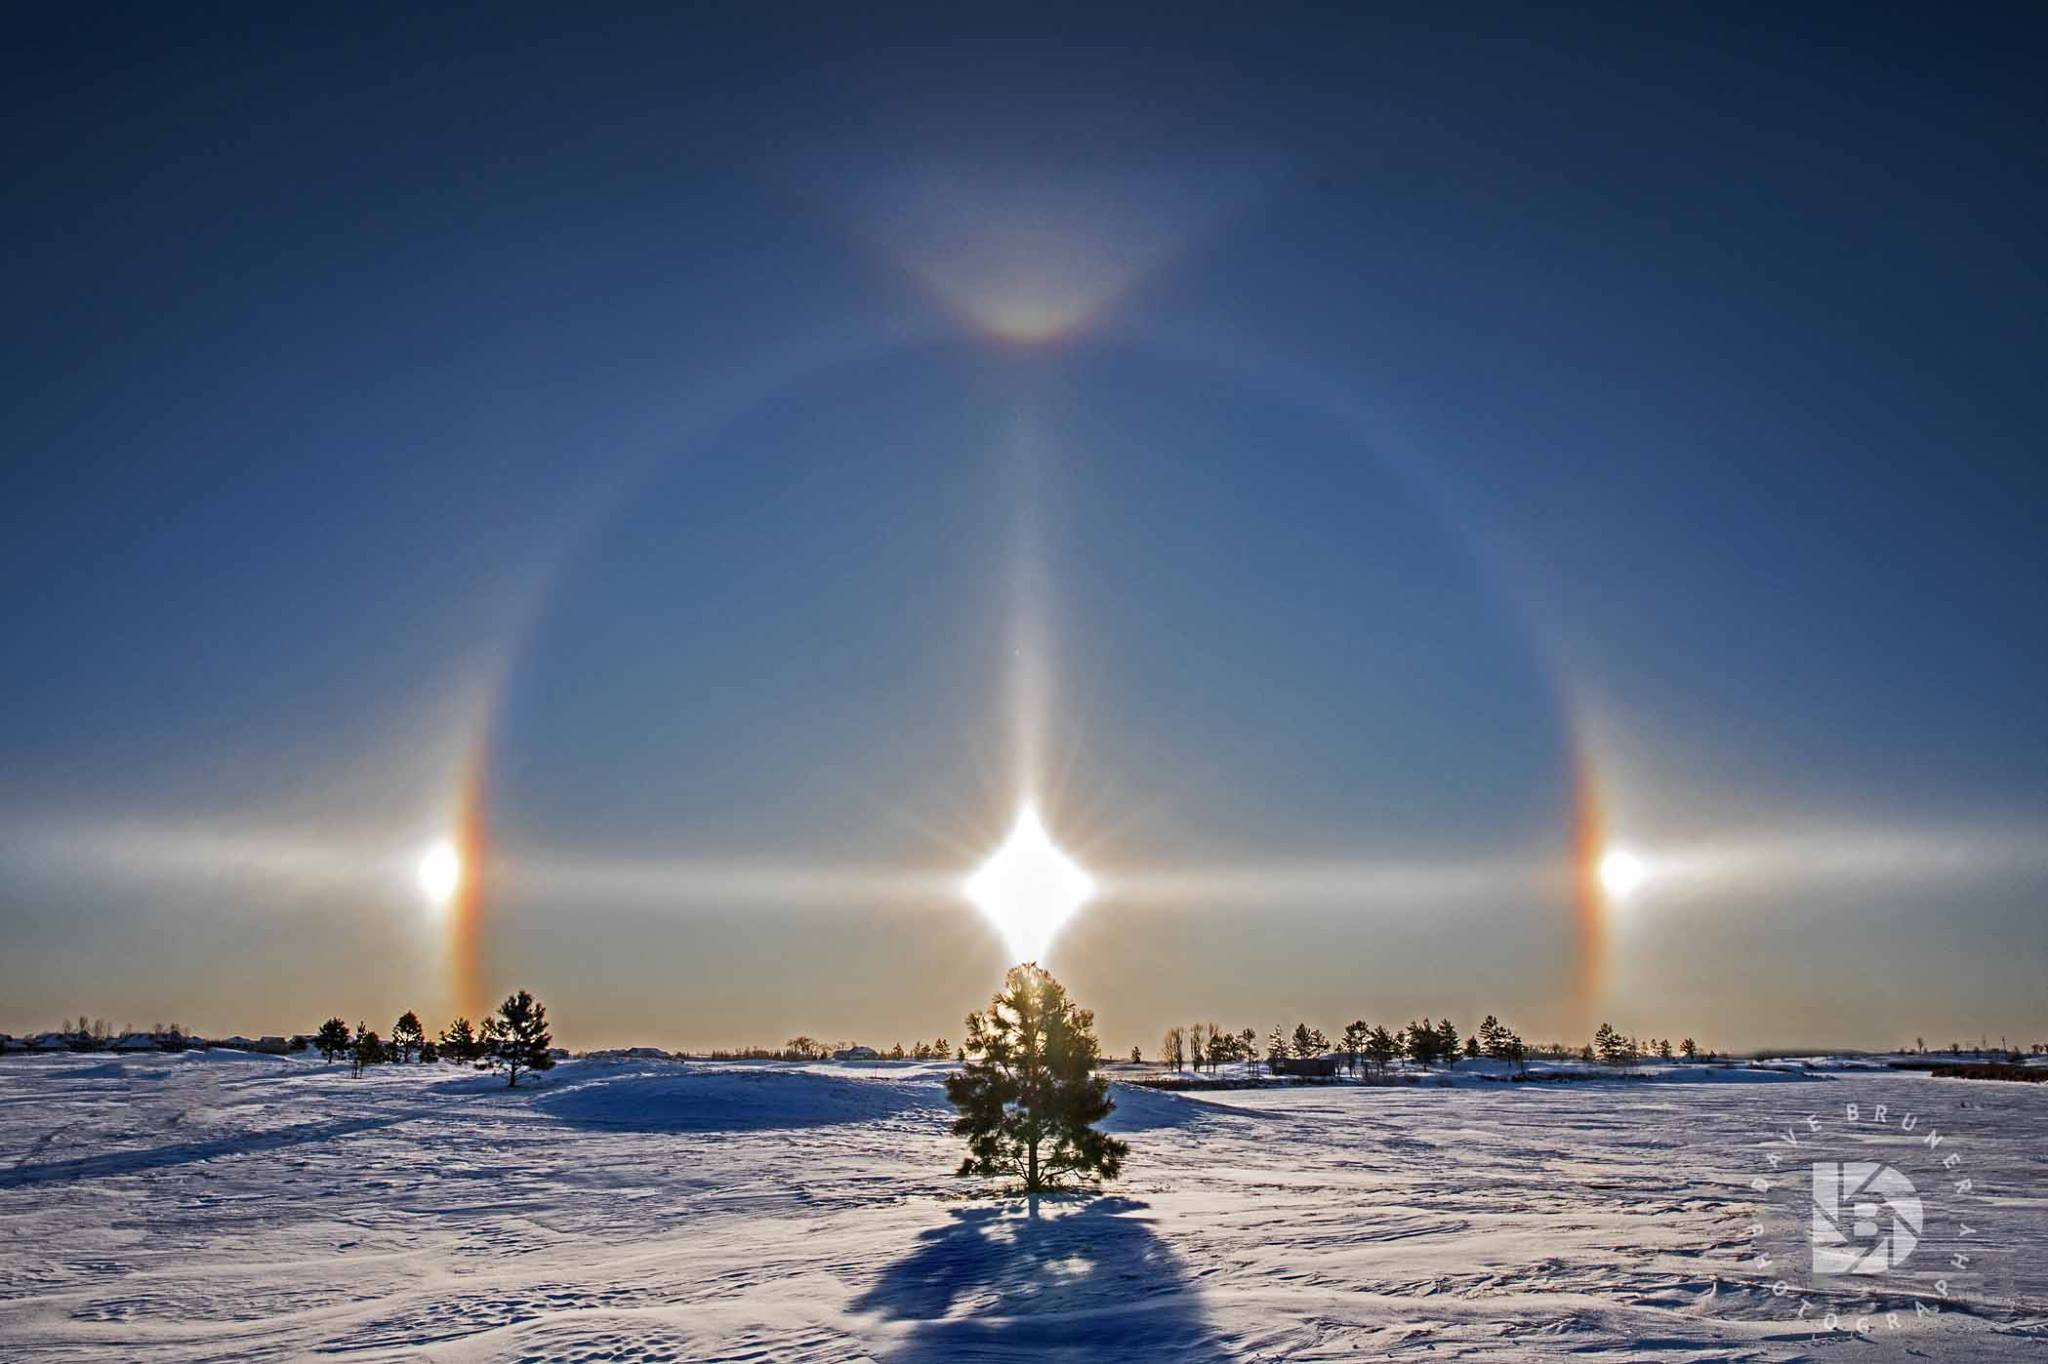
(189,1152)
(1061,1281)
(735,1101)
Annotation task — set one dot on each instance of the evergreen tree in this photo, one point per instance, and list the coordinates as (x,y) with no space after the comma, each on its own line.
(1304,1041)
(1472,1047)
(1276,1045)
(1498,1041)
(332,1040)
(1689,1049)
(1664,1050)
(1447,1042)
(1611,1047)
(407,1036)
(1137,1056)
(1355,1033)
(517,1038)
(1029,1096)
(365,1049)
(1381,1047)
(1421,1038)
(458,1042)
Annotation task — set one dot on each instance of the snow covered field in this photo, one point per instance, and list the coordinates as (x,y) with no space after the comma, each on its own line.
(213,1206)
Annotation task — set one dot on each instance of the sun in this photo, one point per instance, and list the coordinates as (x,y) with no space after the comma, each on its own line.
(441,872)
(1621,873)
(1029,887)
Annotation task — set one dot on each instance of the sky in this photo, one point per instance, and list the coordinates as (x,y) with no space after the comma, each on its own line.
(1350,473)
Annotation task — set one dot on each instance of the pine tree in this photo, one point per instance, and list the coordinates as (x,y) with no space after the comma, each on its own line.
(1137,1056)
(1689,1049)
(458,1042)
(1355,1033)
(1447,1042)
(407,1036)
(1499,1042)
(1382,1047)
(1304,1041)
(365,1049)
(517,1038)
(332,1040)
(1029,1096)
(1611,1047)
(1664,1050)
(1276,1046)
(1422,1038)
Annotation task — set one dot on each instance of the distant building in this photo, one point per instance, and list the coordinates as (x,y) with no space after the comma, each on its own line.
(49,1041)
(856,1054)
(272,1043)
(1307,1067)
(630,1054)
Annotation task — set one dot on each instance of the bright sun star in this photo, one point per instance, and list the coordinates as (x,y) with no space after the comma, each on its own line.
(441,872)
(1029,887)
(1621,872)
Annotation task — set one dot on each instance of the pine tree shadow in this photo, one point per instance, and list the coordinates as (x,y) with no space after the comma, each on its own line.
(1066,1280)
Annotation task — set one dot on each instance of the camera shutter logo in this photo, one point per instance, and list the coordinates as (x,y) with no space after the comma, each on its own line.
(1866,1217)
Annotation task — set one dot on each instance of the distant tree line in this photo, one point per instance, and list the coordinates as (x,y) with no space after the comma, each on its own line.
(806,1048)
(514,1040)
(1204,1045)
(1372,1049)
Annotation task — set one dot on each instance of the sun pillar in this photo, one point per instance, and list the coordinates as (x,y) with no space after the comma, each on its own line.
(468,986)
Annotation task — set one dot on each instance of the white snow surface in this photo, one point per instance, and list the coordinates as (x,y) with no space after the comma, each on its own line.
(213,1206)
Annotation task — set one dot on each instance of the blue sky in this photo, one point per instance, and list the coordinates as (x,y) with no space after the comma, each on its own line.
(1423,398)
